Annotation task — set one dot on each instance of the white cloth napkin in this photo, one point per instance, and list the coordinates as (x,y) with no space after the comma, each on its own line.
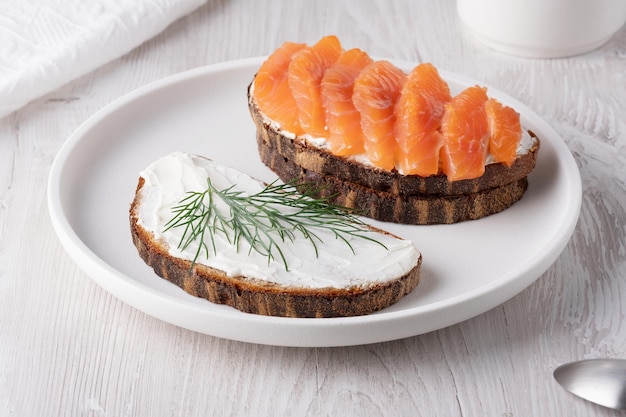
(46,43)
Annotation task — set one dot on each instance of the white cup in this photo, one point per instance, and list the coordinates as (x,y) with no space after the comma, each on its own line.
(543,28)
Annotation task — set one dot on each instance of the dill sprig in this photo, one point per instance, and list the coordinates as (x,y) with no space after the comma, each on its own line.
(265,220)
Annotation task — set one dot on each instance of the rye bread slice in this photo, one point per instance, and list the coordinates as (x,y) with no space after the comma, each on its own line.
(417,209)
(314,159)
(262,297)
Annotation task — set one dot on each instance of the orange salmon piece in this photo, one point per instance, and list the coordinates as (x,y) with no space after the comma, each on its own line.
(418,118)
(271,88)
(466,135)
(376,91)
(343,120)
(505,131)
(305,73)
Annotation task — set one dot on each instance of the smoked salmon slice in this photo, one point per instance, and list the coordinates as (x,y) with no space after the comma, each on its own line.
(405,122)
(343,120)
(505,131)
(271,88)
(305,73)
(418,118)
(376,91)
(466,135)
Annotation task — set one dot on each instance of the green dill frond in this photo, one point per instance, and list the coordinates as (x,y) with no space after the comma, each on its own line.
(266,220)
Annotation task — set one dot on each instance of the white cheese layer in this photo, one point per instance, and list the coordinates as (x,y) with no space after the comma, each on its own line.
(166,182)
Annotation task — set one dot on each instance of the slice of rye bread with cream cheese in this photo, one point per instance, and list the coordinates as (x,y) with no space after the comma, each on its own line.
(389,195)
(334,283)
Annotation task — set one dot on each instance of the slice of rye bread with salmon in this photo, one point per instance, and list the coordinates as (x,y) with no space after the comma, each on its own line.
(388,195)
(368,181)
(319,160)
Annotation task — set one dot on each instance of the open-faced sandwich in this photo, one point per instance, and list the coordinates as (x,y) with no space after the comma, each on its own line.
(395,146)
(266,249)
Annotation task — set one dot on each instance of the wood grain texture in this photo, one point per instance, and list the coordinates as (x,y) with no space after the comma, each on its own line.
(69,348)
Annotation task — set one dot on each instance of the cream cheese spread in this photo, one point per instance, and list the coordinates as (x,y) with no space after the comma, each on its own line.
(169,179)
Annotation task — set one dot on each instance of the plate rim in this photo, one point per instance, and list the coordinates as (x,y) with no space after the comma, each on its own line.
(95,267)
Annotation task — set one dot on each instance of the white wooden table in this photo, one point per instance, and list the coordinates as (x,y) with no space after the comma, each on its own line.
(67,347)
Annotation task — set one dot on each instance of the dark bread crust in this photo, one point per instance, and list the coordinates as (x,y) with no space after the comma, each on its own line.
(322,162)
(386,206)
(261,297)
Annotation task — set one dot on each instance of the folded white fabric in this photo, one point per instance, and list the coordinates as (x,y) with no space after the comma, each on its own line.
(46,43)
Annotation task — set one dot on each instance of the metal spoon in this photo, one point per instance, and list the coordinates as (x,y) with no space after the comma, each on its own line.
(601,381)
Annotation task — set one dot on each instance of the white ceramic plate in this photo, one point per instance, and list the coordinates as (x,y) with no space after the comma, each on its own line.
(468,268)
